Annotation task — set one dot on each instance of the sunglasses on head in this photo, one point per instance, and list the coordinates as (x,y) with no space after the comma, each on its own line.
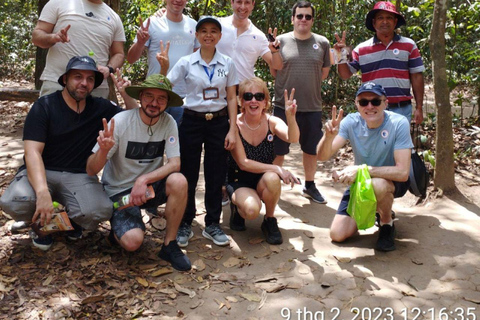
(375,102)
(301,15)
(259,96)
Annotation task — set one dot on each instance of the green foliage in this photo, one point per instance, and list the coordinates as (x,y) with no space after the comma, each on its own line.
(16,50)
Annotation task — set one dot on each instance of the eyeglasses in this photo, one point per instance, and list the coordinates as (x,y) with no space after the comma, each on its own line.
(300,16)
(259,96)
(148,98)
(375,102)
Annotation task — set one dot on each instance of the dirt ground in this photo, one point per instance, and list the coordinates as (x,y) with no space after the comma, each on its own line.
(433,274)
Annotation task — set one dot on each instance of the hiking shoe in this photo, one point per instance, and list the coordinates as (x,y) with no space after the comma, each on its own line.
(377,218)
(225,198)
(76,233)
(42,243)
(173,254)
(184,234)
(313,193)
(386,238)
(237,223)
(271,231)
(216,234)
(18,226)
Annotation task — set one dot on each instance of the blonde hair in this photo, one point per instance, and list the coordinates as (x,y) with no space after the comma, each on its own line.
(250,83)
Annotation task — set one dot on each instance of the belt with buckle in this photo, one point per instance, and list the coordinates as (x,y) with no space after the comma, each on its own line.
(206,115)
(400,104)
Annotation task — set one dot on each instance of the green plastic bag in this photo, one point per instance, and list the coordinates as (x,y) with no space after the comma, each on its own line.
(362,204)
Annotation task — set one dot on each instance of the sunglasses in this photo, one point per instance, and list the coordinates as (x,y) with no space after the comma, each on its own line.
(259,96)
(375,102)
(300,16)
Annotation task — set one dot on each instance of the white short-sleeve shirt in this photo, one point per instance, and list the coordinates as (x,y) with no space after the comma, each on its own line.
(244,49)
(191,68)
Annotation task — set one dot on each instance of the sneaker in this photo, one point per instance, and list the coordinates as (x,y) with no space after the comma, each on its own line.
(237,223)
(173,254)
(271,231)
(76,233)
(313,193)
(18,226)
(43,243)
(216,234)
(386,238)
(225,198)
(184,234)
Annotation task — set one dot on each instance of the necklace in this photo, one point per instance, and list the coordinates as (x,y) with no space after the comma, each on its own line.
(253,129)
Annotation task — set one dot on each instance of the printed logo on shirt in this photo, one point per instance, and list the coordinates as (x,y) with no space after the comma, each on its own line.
(90,14)
(172,140)
(142,150)
(270,137)
(254,37)
(221,73)
(396,51)
(315,46)
(384,134)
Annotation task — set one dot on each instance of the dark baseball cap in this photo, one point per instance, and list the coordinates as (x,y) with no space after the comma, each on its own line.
(371,87)
(83,63)
(210,19)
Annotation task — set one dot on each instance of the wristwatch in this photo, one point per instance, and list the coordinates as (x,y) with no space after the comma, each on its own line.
(111,69)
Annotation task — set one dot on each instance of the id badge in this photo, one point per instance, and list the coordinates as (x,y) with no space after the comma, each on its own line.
(210,93)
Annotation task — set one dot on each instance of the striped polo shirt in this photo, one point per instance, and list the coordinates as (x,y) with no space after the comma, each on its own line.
(390,66)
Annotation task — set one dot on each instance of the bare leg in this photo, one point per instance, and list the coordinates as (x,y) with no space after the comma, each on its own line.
(310,166)
(248,203)
(176,189)
(342,228)
(278,161)
(269,189)
(384,190)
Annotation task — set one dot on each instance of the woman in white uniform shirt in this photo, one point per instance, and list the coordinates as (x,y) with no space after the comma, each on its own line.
(211,80)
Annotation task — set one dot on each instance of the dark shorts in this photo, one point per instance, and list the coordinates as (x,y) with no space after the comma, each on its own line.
(310,125)
(131,217)
(251,183)
(400,190)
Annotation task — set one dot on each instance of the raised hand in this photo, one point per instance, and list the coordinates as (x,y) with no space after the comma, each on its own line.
(120,82)
(105,137)
(162,57)
(161,12)
(290,103)
(332,126)
(341,43)
(142,32)
(62,35)
(273,45)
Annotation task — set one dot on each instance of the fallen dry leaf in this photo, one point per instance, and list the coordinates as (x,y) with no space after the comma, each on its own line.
(256,240)
(47,281)
(142,281)
(343,259)
(183,290)
(263,254)
(231,299)
(159,223)
(231,262)
(199,265)
(161,272)
(92,299)
(275,249)
(251,296)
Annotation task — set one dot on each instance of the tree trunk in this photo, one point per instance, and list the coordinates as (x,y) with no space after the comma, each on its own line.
(41,54)
(444,178)
(112,95)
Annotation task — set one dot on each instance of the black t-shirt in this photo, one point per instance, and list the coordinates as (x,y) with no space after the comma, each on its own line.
(68,136)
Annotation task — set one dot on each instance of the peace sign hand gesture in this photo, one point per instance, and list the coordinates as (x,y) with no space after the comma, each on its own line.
(142,32)
(120,82)
(341,43)
(332,126)
(162,57)
(290,103)
(105,137)
(273,43)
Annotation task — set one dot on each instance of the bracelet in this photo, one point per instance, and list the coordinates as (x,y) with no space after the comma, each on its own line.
(273,52)
(111,70)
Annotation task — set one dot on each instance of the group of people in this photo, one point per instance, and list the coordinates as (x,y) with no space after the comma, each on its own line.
(198,75)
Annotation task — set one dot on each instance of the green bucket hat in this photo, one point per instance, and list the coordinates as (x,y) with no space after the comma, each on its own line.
(156,81)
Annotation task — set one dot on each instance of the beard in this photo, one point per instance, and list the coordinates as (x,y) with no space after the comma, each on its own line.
(145,110)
